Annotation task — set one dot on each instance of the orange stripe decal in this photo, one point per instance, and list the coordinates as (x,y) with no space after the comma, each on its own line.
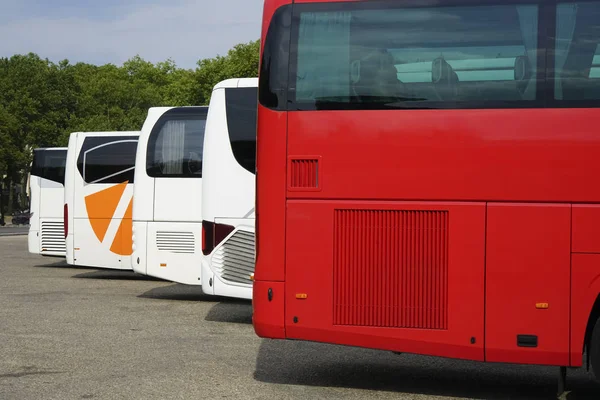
(101,207)
(122,244)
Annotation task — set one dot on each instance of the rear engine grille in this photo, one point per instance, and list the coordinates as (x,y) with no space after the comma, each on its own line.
(234,260)
(391,268)
(53,238)
(176,242)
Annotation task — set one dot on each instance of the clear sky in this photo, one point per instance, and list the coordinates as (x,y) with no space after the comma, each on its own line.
(112,31)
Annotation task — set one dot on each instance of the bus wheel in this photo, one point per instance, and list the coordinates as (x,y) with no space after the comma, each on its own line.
(594,349)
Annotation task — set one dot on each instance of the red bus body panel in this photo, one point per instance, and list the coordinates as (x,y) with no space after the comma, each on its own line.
(443,232)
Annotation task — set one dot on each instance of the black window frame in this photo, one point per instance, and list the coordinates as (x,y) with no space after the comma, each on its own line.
(238,148)
(178,113)
(93,142)
(39,157)
(277,99)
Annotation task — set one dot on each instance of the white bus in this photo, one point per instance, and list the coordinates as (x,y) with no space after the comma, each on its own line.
(46,199)
(228,189)
(99,178)
(167,221)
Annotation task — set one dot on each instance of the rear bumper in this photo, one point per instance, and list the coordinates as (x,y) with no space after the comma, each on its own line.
(268,312)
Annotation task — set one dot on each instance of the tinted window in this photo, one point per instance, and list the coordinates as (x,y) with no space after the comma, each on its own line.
(176,143)
(275,58)
(407,57)
(241,106)
(577,57)
(49,164)
(107,160)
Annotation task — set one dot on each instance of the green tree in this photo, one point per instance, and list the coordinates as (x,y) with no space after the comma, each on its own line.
(240,62)
(41,102)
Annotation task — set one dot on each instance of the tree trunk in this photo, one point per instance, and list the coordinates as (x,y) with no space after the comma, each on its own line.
(11,196)
(2,201)
(24,199)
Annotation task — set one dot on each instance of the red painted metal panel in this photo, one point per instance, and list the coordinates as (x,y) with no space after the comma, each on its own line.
(529,155)
(400,258)
(310,271)
(586,229)
(585,286)
(528,262)
(270,200)
(270,179)
(268,315)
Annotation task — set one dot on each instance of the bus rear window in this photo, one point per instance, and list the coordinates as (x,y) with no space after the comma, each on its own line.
(385,55)
(380,54)
(107,160)
(577,55)
(241,107)
(49,164)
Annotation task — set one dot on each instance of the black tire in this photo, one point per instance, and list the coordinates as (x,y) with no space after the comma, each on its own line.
(594,349)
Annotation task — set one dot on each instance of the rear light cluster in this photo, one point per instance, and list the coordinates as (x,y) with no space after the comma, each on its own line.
(213,234)
(66,220)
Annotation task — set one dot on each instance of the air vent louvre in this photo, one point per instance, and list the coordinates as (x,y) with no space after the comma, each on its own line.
(304,174)
(391,268)
(53,238)
(234,260)
(176,242)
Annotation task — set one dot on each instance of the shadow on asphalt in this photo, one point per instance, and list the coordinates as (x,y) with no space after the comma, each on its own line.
(225,309)
(63,265)
(235,311)
(315,364)
(115,275)
(178,291)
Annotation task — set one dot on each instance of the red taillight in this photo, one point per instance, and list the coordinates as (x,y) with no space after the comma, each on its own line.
(66,220)
(208,233)
(213,234)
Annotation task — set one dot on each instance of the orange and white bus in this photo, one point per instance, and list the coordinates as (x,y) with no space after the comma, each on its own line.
(98,198)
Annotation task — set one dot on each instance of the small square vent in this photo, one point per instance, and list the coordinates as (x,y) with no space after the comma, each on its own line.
(304,174)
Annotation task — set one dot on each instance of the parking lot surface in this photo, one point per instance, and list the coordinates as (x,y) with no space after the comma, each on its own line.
(13,230)
(76,333)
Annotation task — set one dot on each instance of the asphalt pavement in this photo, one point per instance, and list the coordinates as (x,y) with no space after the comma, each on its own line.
(13,230)
(78,333)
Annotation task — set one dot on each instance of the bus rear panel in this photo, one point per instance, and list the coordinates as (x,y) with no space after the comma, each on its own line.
(228,189)
(46,183)
(99,180)
(167,203)
(425,177)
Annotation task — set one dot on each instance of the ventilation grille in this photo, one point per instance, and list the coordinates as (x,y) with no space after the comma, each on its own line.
(304,174)
(391,269)
(176,242)
(53,238)
(234,260)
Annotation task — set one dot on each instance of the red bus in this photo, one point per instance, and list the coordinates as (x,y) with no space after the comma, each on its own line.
(427,178)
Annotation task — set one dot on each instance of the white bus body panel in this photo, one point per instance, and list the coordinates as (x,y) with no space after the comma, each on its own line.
(228,198)
(167,220)
(46,230)
(97,212)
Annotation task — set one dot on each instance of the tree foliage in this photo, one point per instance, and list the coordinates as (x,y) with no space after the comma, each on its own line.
(42,102)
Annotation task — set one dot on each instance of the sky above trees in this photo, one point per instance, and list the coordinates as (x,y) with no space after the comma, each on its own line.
(112,31)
